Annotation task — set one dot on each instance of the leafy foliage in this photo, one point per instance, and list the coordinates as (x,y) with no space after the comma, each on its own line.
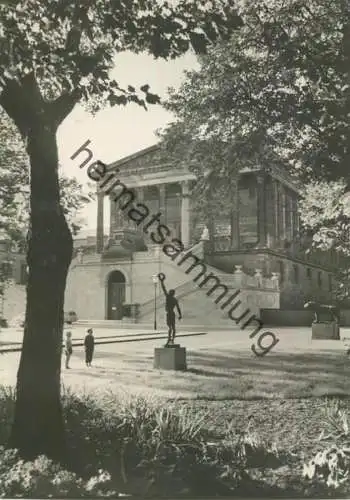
(325,211)
(43,478)
(331,466)
(70,48)
(276,93)
(145,447)
(280,84)
(15,187)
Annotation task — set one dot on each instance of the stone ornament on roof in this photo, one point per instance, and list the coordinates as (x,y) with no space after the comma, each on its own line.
(205,234)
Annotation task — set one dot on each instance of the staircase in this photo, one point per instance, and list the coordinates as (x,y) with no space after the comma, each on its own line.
(197,307)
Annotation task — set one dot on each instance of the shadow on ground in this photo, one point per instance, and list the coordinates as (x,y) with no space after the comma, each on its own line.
(224,374)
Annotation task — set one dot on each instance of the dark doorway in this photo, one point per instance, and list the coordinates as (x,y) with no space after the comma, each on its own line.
(116,295)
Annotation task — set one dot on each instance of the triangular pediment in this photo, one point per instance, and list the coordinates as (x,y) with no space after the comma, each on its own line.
(147,160)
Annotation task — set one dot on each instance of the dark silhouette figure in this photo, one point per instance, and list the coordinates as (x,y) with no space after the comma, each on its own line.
(89,344)
(323,312)
(170,304)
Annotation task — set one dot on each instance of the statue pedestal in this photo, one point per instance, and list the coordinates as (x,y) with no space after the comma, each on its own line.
(325,331)
(172,357)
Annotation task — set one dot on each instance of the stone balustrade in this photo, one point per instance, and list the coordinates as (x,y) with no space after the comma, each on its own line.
(257,281)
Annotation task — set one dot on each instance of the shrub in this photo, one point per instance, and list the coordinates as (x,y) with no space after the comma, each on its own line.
(146,447)
(44,478)
(331,466)
(7,406)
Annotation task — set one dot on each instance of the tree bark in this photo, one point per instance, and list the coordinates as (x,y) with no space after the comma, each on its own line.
(38,426)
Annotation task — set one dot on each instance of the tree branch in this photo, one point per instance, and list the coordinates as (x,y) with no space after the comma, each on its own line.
(62,106)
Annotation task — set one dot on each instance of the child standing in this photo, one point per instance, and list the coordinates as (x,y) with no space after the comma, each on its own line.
(69,348)
(89,344)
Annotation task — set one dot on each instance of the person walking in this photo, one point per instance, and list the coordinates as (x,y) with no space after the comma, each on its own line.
(89,344)
(68,348)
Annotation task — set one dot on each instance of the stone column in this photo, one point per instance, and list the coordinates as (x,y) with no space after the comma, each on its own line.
(185,214)
(100,223)
(262,232)
(116,222)
(140,199)
(113,222)
(235,244)
(283,212)
(162,201)
(276,194)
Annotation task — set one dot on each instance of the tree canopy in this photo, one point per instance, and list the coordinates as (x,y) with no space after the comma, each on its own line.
(15,188)
(66,49)
(277,92)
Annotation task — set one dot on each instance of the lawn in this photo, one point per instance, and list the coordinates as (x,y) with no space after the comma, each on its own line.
(220,374)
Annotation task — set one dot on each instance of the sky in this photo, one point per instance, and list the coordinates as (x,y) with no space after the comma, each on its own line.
(122,130)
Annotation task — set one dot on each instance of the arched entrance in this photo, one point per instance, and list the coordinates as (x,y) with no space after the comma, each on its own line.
(116,295)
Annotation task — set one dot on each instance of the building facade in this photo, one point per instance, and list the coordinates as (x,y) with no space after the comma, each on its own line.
(253,243)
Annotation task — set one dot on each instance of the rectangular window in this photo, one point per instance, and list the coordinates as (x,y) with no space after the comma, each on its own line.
(309,273)
(319,278)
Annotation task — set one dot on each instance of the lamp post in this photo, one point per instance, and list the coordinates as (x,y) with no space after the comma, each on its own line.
(155,282)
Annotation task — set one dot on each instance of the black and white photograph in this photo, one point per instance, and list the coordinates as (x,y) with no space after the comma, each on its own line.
(175,249)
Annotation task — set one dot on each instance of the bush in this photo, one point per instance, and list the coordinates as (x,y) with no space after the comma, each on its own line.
(330,467)
(43,478)
(7,406)
(146,448)
(139,441)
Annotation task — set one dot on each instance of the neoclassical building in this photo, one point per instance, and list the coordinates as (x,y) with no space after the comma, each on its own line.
(254,247)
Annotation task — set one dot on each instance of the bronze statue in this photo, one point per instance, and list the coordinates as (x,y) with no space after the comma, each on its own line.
(170,304)
(323,312)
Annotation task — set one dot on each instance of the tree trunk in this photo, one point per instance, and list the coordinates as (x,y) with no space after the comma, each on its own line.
(38,426)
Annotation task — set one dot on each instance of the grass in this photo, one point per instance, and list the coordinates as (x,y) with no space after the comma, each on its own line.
(222,375)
